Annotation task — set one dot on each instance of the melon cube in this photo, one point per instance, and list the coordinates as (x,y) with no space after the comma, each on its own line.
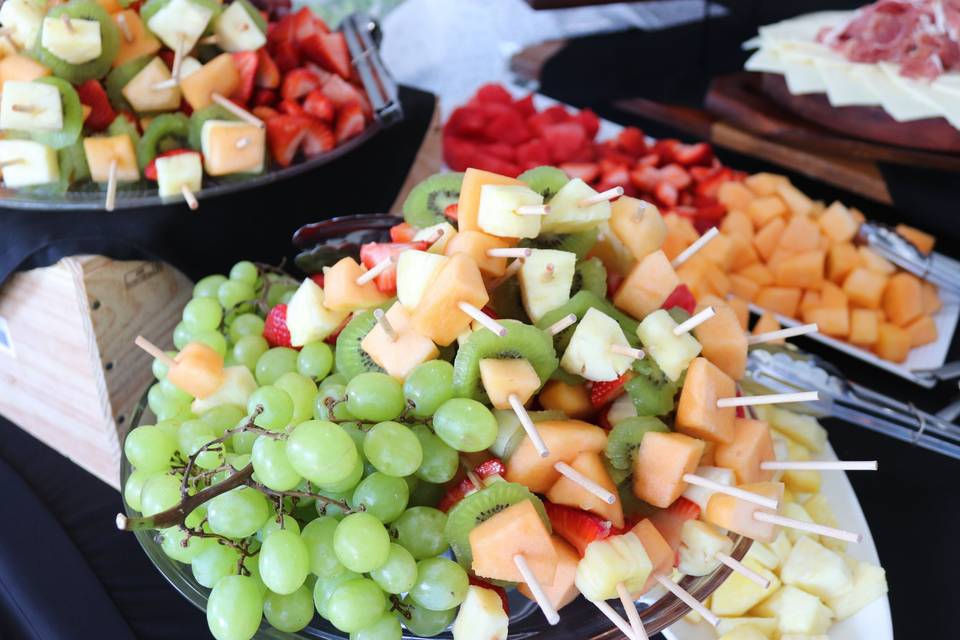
(817,570)
(236,30)
(415,272)
(931,299)
(237,387)
(476,244)
(736,515)
(438,315)
(497,213)
(504,378)
(680,235)
(837,223)
(803,270)
(841,260)
(566,214)
(801,234)
(922,241)
(736,224)
(178,171)
(743,287)
(735,195)
(865,288)
(660,463)
(144,97)
(101,152)
(571,399)
(308,317)
(31,163)
(831,321)
(219,76)
(141,42)
(833,296)
(797,202)
(701,495)
(564,590)
(638,225)
(341,291)
(738,594)
(612,252)
(546,279)
(765,209)
(767,238)
(23,19)
(697,411)
(752,444)
(893,342)
(468,205)
(875,262)
(30,106)
(796,611)
(565,439)
(903,299)
(447,233)
(744,632)
(567,492)
(20,68)
(198,370)
(869,584)
(232,147)
(766,324)
(800,428)
(700,543)
(609,562)
(741,309)
(517,530)
(398,356)
(759,273)
(723,340)
(75,43)
(647,286)
(662,555)
(797,512)
(765,184)
(782,300)
(922,331)
(719,251)
(589,352)
(180,23)
(672,353)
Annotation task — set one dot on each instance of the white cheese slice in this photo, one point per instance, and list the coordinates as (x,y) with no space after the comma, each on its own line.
(28,163)
(30,106)
(901,105)
(845,88)
(75,42)
(802,77)
(802,28)
(180,19)
(765,60)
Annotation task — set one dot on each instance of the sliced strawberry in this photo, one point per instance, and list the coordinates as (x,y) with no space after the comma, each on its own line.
(332,338)
(264,112)
(286,56)
(319,106)
(590,122)
(689,155)
(298,83)
(493,93)
(275,330)
(455,494)
(304,25)
(318,279)
(508,128)
(666,148)
(699,174)
(350,122)
(558,113)
(451,212)
(676,175)
(577,527)
(483,584)
(500,150)
(586,171)
(268,73)
(602,393)
(649,160)
(319,139)
(93,95)
(466,121)
(670,521)
(524,106)
(291,108)
(680,297)
(150,171)
(402,232)
(285,133)
(645,178)
(373,253)
(666,193)
(586,154)
(491,467)
(264,97)
(614,280)
(708,187)
(458,153)
(280,31)
(603,419)
(632,140)
(329,50)
(564,140)
(533,153)
(343,93)
(246,63)
(614,174)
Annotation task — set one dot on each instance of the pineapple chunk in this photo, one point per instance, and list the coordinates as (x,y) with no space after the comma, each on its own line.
(188,66)
(481,616)
(308,320)
(694,493)
(35,163)
(224,149)
(797,512)
(398,357)
(142,95)
(796,611)
(103,151)
(744,632)
(30,106)
(180,20)
(638,225)
(236,30)
(23,18)
(427,233)
(546,278)
(803,636)
(589,354)
(816,569)
(672,354)
(820,511)
(566,214)
(415,271)
(76,42)
(503,378)
(869,583)
(763,554)
(614,254)
(700,543)
(611,561)
(766,626)
(178,171)
(237,387)
(799,427)
(738,594)
(781,546)
(497,211)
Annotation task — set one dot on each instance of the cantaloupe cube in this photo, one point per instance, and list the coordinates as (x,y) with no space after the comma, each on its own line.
(737,223)
(767,238)
(837,223)
(743,287)
(476,244)
(468,205)
(102,151)
(833,296)
(680,235)
(931,299)
(922,241)
(842,258)
(778,256)
(864,327)
(751,445)
(341,291)
(438,315)
(922,331)
(893,342)
(743,252)
(719,251)
(736,515)
(571,399)
(865,288)
(723,340)
(782,300)
(808,303)
(232,147)
(903,299)
(875,262)
(797,202)
(220,76)
(831,321)
(697,411)
(567,492)
(734,195)
(765,209)
(564,590)
(638,225)
(141,41)
(20,68)
(703,278)
(399,356)
(647,285)
(716,279)
(614,255)
(661,555)
(804,270)
(660,464)
(767,323)
(801,234)
(566,439)
(199,370)
(741,308)
(517,530)
(765,184)
(759,273)
(503,378)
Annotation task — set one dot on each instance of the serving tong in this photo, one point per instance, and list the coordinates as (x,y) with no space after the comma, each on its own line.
(775,369)
(934,267)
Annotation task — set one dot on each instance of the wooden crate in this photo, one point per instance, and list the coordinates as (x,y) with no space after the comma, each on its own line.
(69,374)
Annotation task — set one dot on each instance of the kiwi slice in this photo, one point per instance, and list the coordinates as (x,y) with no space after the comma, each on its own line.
(199,118)
(579,243)
(109,43)
(590,275)
(578,305)
(72,116)
(617,475)
(633,507)
(429,199)
(481,506)
(119,78)
(650,389)
(167,126)
(351,360)
(522,341)
(625,438)
(544,180)
(506,300)
(73,165)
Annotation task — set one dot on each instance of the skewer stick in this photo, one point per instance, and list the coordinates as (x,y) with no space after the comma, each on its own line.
(688,599)
(630,352)
(242,143)
(532,210)
(819,529)
(696,246)
(189,197)
(11,162)
(243,114)
(549,271)
(375,270)
(124,27)
(743,570)
(615,618)
(748,496)
(213,39)
(789,332)
(538,594)
(561,324)
(694,321)
(482,318)
(508,253)
(773,398)
(575,476)
(474,480)
(528,426)
(814,465)
(632,614)
(155,351)
(511,271)
(385,324)
(178,59)
(26,108)
(603,196)
(436,236)
(111,187)
(66,23)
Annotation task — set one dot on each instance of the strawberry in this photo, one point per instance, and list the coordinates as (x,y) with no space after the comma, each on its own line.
(264,97)
(602,393)
(92,94)
(709,187)
(533,153)
(318,279)
(373,253)
(286,55)
(319,139)
(456,493)
(667,149)
(280,31)
(614,280)
(458,153)
(451,212)
(319,106)
(246,63)
(666,193)
(631,140)
(150,171)
(402,232)
(645,178)
(268,73)
(493,93)
(590,122)
(524,106)
(603,419)
(676,175)
(284,135)
(670,521)
(689,155)
(680,297)
(264,112)
(466,121)
(291,108)
(577,527)
(304,25)
(275,330)
(508,128)
(586,171)
(564,140)
(500,150)
(298,83)
(329,50)
(343,93)
(483,584)
(493,466)
(350,122)
(614,174)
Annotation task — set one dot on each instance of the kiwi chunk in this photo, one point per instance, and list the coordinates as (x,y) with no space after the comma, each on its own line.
(350,359)
(506,300)
(123,127)
(109,43)
(522,341)
(650,389)
(590,275)
(428,200)
(73,165)
(69,134)
(579,243)
(199,118)
(625,438)
(120,77)
(481,506)
(164,127)
(578,305)
(544,180)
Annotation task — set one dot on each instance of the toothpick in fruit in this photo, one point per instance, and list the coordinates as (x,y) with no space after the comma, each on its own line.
(815,465)
(743,570)
(537,590)
(188,196)
(482,318)
(630,352)
(603,196)
(533,210)
(155,351)
(693,248)
(66,22)
(694,321)
(512,269)
(561,324)
(780,334)
(630,606)
(688,599)
(510,252)
(810,527)
(124,27)
(370,274)
(773,398)
(385,324)
(615,618)
(528,426)
(178,54)
(111,187)
(586,483)
(719,487)
(243,114)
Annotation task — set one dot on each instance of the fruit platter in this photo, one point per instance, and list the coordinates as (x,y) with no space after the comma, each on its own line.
(118,105)
(466,424)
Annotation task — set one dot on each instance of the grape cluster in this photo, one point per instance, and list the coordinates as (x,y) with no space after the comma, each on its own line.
(338,515)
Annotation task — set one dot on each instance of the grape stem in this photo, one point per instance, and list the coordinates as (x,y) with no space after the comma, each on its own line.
(398,606)
(247,426)
(240,547)
(326,500)
(264,268)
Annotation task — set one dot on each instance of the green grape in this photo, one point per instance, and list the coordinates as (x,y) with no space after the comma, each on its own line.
(347,485)
(361,542)
(384,497)
(278,293)
(181,336)
(252,564)
(321,452)
(428,386)
(158,368)
(284,562)
(274,363)
(202,314)
(393,449)
(149,448)
(271,465)
(246,324)
(160,492)
(332,379)
(238,513)
(426,494)
(440,460)
(303,392)
(192,436)
(386,627)
(207,287)
(174,392)
(171,541)
(213,562)
(234,608)
(233,292)
(324,508)
(441,584)
(162,406)
(286,297)
(315,360)
(424,622)
(374,397)
(245,271)
(277,407)
(465,425)
(399,573)
(243,442)
(134,485)
(335,394)
(326,585)
(170,427)
(289,613)
(354,603)
(248,349)
(318,536)
(358,434)
(420,530)
(223,417)
(213,339)
(271,525)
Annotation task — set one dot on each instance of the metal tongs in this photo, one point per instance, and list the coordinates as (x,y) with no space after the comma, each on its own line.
(935,267)
(773,369)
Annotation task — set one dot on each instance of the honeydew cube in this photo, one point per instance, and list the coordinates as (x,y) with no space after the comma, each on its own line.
(869,583)
(700,544)
(142,95)
(102,151)
(672,353)
(427,233)
(23,18)
(701,495)
(398,356)
(415,271)
(30,106)
(180,20)
(219,76)
(816,569)
(232,147)
(567,216)
(308,319)
(236,30)
(737,515)
(738,594)
(611,561)
(503,378)
(32,163)
(546,278)
(796,611)
(497,213)
(481,616)
(75,42)
(178,171)
(798,427)
(766,626)
(589,352)
(188,66)
(141,42)
(237,387)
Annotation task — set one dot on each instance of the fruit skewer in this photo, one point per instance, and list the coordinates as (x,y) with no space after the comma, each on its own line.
(817,465)
(111,197)
(603,196)
(241,113)
(789,332)
(700,243)
(694,321)
(772,398)
(549,612)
